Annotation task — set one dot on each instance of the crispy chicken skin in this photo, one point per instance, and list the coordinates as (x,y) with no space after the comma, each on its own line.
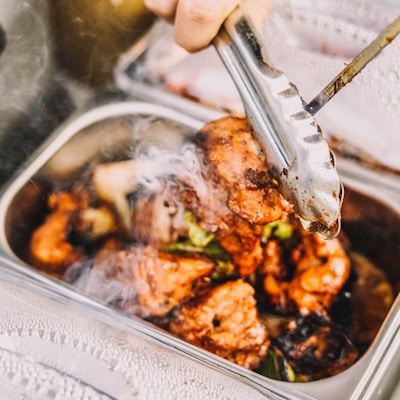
(225,322)
(158,281)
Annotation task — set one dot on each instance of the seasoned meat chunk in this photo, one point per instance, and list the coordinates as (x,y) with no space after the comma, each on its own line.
(49,247)
(236,196)
(70,213)
(322,270)
(225,322)
(153,282)
(238,166)
(310,278)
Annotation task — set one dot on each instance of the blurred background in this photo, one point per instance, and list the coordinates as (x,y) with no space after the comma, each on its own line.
(58,56)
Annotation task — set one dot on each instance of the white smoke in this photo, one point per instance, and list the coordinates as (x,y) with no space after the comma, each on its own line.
(156,163)
(158,169)
(26,63)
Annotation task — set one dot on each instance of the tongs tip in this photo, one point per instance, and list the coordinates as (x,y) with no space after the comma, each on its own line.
(325,231)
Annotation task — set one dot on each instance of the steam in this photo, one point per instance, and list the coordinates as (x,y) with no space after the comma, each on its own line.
(102,283)
(156,164)
(25,64)
(94,282)
(157,170)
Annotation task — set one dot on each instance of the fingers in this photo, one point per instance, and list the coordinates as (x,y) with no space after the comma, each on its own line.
(197,22)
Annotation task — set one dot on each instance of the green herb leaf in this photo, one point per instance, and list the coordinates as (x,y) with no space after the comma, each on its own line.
(198,236)
(278,229)
(275,366)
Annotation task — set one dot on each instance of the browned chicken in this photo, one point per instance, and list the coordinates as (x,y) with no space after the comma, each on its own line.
(225,322)
(239,169)
(49,246)
(153,282)
(322,269)
(309,282)
(275,274)
(240,195)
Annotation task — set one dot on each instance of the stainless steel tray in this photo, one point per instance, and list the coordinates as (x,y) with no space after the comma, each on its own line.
(370,218)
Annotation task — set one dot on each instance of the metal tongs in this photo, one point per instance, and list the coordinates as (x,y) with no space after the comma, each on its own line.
(292,141)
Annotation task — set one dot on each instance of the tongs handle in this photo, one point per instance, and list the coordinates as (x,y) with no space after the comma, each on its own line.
(290,138)
(354,67)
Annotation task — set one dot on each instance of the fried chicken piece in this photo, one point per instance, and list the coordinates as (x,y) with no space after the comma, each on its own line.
(225,322)
(243,243)
(321,269)
(49,247)
(275,272)
(152,282)
(239,168)
(67,201)
(237,196)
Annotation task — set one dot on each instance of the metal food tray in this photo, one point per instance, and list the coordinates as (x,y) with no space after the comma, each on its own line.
(371,216)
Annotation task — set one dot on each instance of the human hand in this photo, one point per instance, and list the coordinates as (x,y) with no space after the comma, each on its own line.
(197,22)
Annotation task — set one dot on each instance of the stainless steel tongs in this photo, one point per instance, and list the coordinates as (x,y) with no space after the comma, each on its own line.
(290,138)
(292,141)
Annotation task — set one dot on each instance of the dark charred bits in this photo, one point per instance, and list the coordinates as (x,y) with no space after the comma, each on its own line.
(258,179)
(316,347)
(216,322)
